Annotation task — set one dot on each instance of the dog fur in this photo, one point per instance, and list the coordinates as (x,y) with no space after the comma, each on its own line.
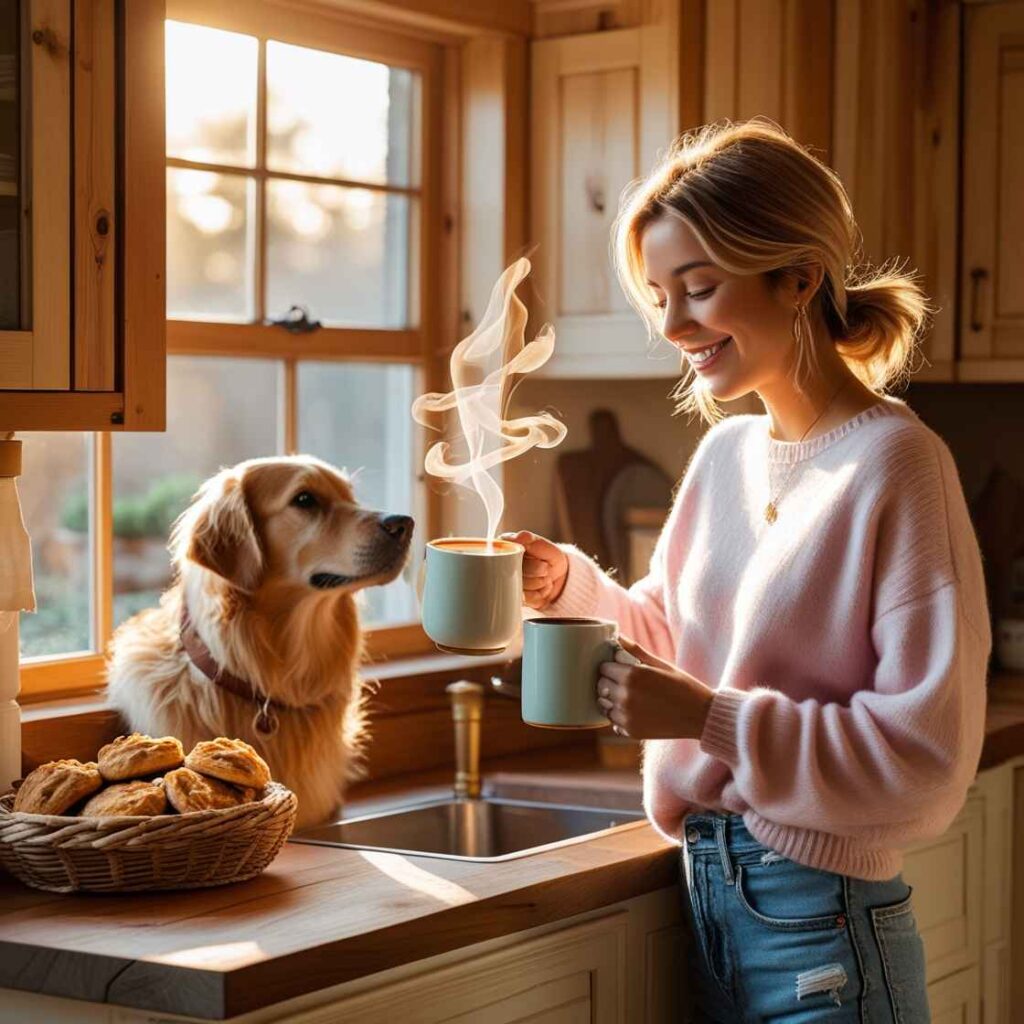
(270,580)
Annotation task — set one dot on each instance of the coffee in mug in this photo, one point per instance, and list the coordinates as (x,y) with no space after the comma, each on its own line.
(561,657)
(472,594)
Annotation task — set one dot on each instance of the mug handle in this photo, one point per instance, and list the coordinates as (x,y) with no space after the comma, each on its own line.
(622,656)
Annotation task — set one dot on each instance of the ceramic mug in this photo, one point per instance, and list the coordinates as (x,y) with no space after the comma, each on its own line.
(472,594)
(561,657)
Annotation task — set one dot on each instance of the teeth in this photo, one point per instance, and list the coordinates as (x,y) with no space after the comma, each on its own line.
(705,354)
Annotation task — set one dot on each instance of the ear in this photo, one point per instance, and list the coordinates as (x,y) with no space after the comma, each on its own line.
(223,538)
(806,280)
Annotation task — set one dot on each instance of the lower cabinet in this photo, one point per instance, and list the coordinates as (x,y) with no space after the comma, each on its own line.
(962,897)
(619,965)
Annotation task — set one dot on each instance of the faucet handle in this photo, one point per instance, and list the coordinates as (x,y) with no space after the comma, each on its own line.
(467,712)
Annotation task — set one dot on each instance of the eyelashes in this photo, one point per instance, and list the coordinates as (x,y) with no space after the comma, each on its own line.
(703,294)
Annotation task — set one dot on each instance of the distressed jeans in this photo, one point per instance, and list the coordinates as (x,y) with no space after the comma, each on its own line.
(777,941)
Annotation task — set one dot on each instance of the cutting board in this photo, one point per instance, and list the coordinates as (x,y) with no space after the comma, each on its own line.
(584,478)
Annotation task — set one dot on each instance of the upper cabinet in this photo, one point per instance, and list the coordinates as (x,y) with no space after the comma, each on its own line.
(992,271)
(895,139)
(603,106)
(82,212)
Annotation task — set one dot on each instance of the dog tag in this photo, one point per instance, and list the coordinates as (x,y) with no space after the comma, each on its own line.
(266,720)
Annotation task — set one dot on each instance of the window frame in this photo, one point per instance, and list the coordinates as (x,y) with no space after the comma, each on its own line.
(53,677)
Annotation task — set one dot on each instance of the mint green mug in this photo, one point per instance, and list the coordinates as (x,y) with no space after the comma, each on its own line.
(561,657)
(472,594)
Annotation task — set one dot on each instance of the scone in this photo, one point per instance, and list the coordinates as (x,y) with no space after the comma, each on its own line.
(55,787)
(189,791)
(229,760)
(129,757)
(128,798)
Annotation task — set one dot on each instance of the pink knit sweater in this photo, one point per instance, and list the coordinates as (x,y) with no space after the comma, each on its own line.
(847,642)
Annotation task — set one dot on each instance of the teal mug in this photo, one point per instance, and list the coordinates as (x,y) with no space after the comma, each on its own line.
(472,594)
(561,657)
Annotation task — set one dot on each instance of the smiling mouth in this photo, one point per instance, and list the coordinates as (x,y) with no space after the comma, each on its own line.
(700,356)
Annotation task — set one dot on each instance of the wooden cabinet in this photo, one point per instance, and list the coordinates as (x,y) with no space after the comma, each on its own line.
(603,106)
(962,885)
(992,272)
(82,216)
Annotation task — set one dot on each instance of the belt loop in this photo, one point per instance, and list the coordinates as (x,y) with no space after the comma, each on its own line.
(723,849)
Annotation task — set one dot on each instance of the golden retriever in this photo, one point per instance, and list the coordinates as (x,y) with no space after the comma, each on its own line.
(258,636)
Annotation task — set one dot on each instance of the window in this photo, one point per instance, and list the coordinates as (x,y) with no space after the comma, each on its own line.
(296,177)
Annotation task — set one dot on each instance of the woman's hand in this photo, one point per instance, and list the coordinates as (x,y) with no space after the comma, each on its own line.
(653,700)
(545,569)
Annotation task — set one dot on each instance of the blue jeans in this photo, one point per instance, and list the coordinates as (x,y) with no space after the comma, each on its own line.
(777,941)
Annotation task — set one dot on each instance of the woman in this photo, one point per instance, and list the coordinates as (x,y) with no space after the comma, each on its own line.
(813,632)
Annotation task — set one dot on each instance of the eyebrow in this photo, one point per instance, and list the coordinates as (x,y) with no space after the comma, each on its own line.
(684,267)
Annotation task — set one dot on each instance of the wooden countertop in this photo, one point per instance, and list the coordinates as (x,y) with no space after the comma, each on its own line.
(319,916)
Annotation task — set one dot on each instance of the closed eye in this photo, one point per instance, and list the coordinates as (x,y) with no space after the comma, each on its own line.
(703,294)
(305,500)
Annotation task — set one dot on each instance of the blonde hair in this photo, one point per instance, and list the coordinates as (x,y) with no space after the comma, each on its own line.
(760,203)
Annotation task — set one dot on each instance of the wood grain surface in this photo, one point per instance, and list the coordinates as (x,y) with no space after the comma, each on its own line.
(318,917)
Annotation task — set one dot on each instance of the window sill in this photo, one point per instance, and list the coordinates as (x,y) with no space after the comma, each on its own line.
(408,710)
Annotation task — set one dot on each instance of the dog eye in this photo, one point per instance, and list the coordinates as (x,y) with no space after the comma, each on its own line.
(305,499)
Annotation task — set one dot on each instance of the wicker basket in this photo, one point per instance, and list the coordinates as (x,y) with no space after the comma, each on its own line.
(129,854)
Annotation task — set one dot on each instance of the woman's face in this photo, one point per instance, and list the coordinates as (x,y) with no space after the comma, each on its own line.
(735,330)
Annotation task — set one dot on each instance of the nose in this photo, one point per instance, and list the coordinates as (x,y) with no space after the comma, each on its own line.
(398,528)
(678,325)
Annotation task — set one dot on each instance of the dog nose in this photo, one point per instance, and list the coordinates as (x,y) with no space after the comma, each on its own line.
(397,527)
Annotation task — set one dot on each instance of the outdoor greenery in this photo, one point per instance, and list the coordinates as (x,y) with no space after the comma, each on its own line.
(141,515)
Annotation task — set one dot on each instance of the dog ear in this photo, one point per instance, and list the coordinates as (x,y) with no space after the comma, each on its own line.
(223,538)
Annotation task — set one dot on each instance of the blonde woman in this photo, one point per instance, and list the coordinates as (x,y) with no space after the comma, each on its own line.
(813,633)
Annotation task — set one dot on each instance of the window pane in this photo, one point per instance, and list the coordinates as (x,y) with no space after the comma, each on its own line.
(339,117)
(219,412)
(344,253)
(211,94)
(55,500)
(356,416)
(209,245)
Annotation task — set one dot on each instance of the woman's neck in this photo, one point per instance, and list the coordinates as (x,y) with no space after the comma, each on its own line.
(831,397)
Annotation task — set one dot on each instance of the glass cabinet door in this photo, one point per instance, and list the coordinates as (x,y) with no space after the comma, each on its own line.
(35,194)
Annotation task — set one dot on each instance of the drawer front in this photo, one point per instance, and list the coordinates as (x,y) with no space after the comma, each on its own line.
(946,875)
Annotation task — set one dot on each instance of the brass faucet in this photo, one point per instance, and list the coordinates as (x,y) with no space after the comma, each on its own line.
(467,711)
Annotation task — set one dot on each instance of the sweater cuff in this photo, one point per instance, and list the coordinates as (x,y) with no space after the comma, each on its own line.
(720,727)
(579,595)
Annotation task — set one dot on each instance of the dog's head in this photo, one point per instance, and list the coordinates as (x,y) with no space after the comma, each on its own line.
(291,522)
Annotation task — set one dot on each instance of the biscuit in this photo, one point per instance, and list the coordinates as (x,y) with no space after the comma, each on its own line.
(189,791)
(129,757)
(133,798)
(55,787)
(230,761)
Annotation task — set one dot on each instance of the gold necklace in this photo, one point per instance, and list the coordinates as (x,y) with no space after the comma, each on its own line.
(771,512)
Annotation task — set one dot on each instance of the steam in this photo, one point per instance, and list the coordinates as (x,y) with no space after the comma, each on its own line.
(482,367)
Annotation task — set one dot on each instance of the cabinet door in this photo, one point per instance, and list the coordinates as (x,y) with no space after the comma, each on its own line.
(35,207)
(992,281)
(602,108)
(946,875)
(573,976)
(82,216)
(956,999)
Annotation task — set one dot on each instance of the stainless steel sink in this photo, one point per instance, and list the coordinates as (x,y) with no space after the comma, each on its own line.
(472,829)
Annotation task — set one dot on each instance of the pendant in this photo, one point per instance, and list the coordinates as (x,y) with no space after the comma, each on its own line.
(770,512)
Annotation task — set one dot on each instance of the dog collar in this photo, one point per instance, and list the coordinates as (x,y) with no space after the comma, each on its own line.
(266,720)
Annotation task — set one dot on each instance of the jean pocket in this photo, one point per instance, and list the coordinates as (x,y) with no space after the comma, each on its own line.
(791,897)
(902,953)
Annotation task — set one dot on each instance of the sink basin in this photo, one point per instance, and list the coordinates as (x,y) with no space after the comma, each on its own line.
(475,830)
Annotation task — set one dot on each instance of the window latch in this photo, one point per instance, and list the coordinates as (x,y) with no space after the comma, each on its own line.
(296,321)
